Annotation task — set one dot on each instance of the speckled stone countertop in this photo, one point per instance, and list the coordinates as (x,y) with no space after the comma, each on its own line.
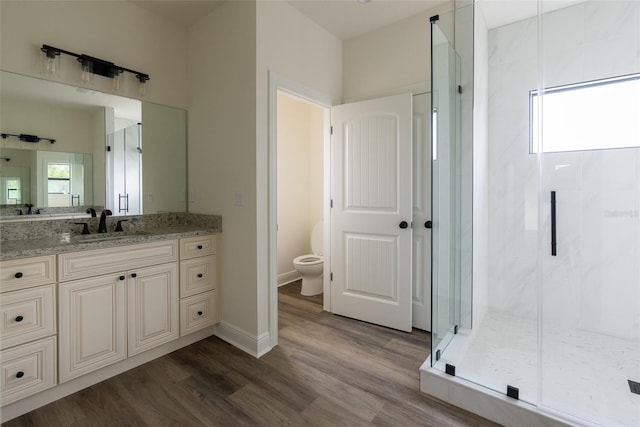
(145,228)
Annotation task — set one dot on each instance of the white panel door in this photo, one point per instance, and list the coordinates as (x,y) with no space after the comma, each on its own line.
(371,214)
(421,212)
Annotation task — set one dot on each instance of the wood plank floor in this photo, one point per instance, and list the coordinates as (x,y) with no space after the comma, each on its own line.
(327,371)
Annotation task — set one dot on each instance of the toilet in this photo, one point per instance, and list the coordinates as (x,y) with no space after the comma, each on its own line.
(311,266)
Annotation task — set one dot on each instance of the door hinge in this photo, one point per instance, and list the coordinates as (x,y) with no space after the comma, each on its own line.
(459,89)
(108,148)
(331,204)
(331,276)
(331,130)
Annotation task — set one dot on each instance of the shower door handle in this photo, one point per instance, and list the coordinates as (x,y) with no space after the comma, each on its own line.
(553,223)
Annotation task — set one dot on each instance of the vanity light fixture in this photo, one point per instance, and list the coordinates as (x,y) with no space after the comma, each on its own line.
(27,138)
(90,66)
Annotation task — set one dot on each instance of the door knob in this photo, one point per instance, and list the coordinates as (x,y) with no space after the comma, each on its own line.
(428,224)
(404,224)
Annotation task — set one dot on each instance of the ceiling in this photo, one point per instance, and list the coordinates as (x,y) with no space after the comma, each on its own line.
(343,18)
(183,12)
(350,18)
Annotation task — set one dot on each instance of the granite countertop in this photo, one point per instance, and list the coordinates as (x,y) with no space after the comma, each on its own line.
(68,242)
(14,249)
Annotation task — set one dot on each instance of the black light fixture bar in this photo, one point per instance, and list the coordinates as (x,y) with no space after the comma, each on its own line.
(98,66)
(28,138)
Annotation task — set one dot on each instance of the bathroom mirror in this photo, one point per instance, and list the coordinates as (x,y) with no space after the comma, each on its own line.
(112,151)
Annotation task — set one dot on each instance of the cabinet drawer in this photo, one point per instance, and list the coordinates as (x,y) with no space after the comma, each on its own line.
(197,312)
(24,273)
(27,369)
(79,265)
(27,315)
(197,275)
(198,246)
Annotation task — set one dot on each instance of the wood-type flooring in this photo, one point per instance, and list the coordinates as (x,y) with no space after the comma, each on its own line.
(326,371)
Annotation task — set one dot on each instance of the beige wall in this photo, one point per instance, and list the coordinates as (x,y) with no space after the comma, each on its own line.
(72,128)
(221,154)
(117,31)
(392,60)
(297,48)
(300,141)
(164,160)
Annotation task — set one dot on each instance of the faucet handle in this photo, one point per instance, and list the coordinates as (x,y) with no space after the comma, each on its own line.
(119,224)
(85,229)
(107,212)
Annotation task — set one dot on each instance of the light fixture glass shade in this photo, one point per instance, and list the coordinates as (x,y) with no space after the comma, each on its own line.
(142,84)
(86,71)
(50,62)
(116,79)
(142,88)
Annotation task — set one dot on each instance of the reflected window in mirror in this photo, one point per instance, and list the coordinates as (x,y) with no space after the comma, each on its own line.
(11,190)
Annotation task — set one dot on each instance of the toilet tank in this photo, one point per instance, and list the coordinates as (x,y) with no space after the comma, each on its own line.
(316,239)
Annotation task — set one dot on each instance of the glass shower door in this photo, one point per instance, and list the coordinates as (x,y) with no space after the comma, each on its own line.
(126,171)
(445,276)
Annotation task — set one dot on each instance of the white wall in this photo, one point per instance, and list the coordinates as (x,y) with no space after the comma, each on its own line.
(593,283)
(300,173)
(392,60)
(117,31)
(295,47)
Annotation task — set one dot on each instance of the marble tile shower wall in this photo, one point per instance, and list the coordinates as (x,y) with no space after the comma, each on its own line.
(594,282)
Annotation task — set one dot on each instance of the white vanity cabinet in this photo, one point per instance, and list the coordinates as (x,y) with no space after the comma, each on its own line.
(198,283)
(27,327)
(108,317)
(77,318)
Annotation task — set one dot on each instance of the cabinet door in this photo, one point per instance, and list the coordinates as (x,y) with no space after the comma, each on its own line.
(92,324)
(153,306)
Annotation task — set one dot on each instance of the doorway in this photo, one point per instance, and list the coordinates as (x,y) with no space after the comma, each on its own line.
(421,212)
(281,85)
(300,179)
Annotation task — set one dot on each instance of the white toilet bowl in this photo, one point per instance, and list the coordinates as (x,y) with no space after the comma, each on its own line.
(311,267)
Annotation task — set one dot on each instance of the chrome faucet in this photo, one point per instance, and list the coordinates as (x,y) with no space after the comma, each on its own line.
(102,227)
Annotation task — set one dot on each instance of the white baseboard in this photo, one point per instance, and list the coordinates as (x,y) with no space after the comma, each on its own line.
(288,277)
(256,346)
